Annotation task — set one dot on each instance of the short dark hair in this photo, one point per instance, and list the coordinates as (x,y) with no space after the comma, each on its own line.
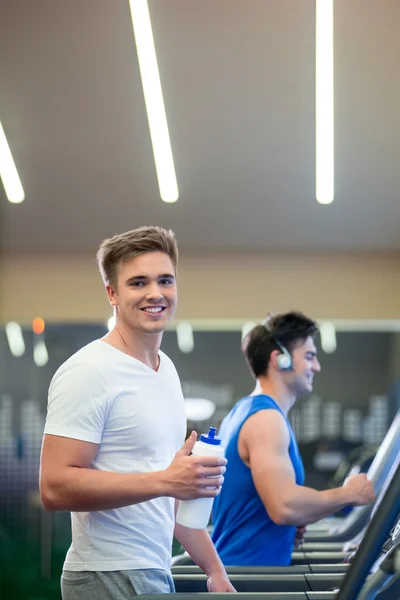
(287,329)
(124,246)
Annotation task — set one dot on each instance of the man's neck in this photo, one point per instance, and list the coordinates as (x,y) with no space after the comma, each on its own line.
(277,391)
(139,344)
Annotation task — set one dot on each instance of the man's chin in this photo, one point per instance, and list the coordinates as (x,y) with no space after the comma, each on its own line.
(155,329)
(305,390)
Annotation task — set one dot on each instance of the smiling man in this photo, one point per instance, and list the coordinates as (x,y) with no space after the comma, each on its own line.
(263,508)
(112,451)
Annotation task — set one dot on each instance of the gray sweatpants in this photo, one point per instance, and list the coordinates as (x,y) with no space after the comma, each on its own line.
(114,585)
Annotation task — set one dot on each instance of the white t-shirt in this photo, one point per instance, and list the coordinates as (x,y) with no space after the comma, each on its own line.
(136,414)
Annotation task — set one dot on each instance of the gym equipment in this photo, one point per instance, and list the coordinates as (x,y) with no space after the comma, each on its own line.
(264,583)
(379,559)
(352,525)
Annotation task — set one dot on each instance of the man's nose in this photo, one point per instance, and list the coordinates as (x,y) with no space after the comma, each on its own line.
(316,366)
(154,292)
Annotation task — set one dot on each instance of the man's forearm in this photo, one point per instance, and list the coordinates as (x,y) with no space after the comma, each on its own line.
(307,505)
(199,546)
(80,489)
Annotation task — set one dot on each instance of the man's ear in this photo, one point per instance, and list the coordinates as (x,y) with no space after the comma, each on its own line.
(112,295)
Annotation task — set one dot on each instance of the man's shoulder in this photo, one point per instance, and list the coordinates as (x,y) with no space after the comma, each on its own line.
(79,397)
(87,353)
(257,413)
(92,357)
(266,426)
(251,404)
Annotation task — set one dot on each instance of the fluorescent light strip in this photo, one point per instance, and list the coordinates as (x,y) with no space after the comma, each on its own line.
(324,102)
(154,101)
(40,354)
(184,333)
(15,339)
(8,172)
(199,409)
(328,337)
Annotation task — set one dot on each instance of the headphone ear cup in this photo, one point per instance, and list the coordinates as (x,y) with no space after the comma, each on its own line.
(284,362)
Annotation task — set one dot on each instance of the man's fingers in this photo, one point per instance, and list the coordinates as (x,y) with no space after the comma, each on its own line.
(211,482)
(216,472)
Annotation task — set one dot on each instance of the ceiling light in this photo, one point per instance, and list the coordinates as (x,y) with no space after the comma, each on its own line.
(40,354)
(199,409)
(328,337)
(324,102)
(8,172)
(184,332)
(154,101)
(15,339)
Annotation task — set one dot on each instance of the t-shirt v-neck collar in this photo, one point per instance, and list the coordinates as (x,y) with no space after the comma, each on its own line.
(136,360)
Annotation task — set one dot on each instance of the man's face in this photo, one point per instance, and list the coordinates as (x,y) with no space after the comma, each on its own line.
(145,294)
(305,365)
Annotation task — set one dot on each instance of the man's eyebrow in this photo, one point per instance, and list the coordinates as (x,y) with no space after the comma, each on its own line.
(136,278)
(144,278)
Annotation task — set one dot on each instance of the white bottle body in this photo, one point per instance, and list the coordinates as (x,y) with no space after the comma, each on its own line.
(196,513)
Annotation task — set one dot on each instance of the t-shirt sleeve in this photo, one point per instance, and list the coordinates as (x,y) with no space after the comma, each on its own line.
(78,403)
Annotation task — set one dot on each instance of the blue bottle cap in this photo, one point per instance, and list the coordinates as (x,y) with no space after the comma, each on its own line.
(211,438)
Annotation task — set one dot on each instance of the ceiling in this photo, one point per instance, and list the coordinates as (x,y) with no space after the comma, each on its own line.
(238,84)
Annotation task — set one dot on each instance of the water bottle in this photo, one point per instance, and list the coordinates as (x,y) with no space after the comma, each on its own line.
(196,513)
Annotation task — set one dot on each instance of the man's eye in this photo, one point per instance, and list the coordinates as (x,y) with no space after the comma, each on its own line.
(166,281)
(137,283)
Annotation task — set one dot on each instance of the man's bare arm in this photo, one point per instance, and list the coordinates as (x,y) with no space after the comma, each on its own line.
(67,481)
(265,440)
(199,546)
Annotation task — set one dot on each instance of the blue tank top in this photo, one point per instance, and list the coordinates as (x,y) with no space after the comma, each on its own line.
(243,532)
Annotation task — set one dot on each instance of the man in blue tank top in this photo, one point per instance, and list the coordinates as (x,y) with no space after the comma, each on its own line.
(263,507)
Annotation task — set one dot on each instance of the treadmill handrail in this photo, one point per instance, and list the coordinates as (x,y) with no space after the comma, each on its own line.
(392,436)
(378,474)
(375,536)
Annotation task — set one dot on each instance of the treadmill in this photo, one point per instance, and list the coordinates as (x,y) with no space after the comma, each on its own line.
(377,551)
(305,555)
(351,526)
(305,560)
(188,579)
(384,564)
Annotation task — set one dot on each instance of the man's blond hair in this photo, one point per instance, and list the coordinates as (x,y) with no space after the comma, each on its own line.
(124,246)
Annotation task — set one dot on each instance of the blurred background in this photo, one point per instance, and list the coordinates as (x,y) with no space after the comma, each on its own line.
(239,86)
